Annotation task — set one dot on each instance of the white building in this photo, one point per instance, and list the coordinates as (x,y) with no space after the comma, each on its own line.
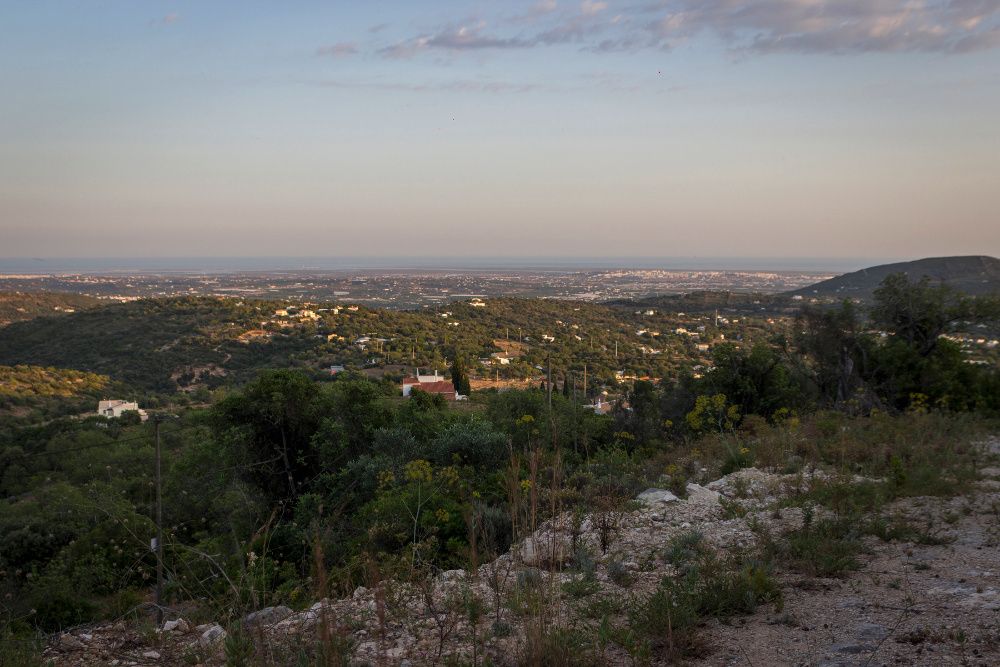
(115,408)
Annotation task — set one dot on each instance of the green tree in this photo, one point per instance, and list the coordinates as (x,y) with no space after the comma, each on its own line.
(838,351)
(712,413)
(919,312)
(268,427)
(916,361)
(459,376)
(755,381)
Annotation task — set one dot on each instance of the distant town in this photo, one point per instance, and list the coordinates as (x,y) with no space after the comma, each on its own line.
(413,289)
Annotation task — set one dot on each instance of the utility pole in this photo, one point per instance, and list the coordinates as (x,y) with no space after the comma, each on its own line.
(585,383)
(548,382)
(157,420)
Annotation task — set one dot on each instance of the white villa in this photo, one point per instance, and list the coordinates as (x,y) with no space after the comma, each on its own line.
(115,408)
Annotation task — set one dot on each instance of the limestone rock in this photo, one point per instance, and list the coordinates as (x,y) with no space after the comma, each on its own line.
(655,497)
(267,616)
(179,626)
(544,550)
(215,634)
(696,493)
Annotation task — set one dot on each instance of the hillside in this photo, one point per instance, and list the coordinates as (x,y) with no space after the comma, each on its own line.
(973,274)
(37,393)
(153,345)
(20,306)
(814,506)
(163,345)
(709,301)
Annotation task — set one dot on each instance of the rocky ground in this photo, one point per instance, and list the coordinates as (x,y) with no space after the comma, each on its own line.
(908,604)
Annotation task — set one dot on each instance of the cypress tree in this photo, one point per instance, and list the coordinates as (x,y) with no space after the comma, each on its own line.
(459,378)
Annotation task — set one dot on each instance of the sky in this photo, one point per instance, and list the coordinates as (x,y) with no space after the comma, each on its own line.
(534,128)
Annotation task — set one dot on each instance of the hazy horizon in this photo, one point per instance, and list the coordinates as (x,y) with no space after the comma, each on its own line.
(766,128)
(222,264)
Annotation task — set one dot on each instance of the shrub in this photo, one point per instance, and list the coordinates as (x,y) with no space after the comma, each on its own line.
(555,647)
(57,605)
(581,587)
(619,574)
(685,548)
(824,548)
(707,588)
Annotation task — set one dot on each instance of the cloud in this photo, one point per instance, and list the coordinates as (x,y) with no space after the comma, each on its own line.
(827,26)
(460,38)
(543,7)
(338,50)
(457,86)
(591,8)
(166,20)
(744,27)
(535,12)
(611,81)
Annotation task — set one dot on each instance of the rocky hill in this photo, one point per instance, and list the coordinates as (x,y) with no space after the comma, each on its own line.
(920,587)
(973,274)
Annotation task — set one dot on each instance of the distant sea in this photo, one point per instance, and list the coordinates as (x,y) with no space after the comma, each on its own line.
(109,265)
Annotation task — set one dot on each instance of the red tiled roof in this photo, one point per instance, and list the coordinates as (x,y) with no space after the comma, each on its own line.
(444,387)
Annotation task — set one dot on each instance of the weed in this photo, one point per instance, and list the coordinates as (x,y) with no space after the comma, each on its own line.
(708,588)
(239,647)
(500,629)
(602,606)
(732,509)
(581,587)
(823,548)
(685,548)
(619,574)
(555,647)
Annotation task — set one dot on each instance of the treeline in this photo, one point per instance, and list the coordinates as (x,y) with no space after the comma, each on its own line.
(894,357)
(161,346)
(272,476)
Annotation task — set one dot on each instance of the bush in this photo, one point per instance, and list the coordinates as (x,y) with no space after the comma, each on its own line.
(707,588)
(825,548)
(555,647)
(57,605)
(619,574)
(685,548)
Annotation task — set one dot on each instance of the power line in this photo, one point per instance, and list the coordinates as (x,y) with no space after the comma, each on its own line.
(70,450)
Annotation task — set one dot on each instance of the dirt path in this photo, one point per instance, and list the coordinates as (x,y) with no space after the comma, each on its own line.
(909,604)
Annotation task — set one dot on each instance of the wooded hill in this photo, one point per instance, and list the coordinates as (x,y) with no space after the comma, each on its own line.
(973,274)
(162,345)
(20,306)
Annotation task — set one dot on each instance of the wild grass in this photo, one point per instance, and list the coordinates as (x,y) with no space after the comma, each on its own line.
(706,586)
